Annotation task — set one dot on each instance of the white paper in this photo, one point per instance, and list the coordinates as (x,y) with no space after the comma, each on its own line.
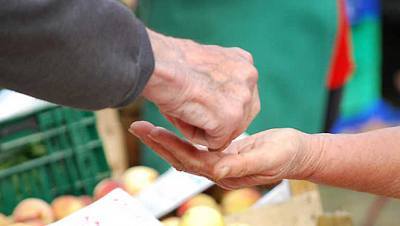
(13,104)
(278,194)
(171,190)
(117,208)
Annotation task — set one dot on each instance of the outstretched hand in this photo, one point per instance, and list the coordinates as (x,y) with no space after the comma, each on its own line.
(263,158)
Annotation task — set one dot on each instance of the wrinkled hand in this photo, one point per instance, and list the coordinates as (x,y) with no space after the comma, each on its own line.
(208,92)
(263,158)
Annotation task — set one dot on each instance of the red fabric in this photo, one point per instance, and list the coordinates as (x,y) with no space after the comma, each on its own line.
(342,62)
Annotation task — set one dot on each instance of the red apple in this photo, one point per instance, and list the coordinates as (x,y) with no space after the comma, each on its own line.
(86,200)
(106,186)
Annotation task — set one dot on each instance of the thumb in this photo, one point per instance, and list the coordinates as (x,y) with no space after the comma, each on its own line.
(237,165)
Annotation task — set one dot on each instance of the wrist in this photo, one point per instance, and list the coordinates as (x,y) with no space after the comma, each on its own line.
(156,41)
(313,159)
(166,55)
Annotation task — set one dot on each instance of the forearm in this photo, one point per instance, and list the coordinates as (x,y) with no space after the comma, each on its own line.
(368,162)
(89,54)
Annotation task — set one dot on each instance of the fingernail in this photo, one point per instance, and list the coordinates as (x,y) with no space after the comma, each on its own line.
(223,172)
(132,131)
(132,125)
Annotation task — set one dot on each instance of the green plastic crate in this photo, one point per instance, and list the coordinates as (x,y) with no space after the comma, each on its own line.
(70,157)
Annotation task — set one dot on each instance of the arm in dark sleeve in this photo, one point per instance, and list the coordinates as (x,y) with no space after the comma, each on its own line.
(88,54)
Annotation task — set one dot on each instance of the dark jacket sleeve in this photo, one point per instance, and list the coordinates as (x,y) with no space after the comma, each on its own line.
(89,54)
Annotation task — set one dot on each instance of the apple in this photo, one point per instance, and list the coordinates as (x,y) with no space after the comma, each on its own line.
(202,216)
(34,223)
(171,221)
(66,205)
(33,209)
(86,200)
(4,220)
(20,224)
(29,223)
(198,200)
(237,201)
(106,186)
(137,178)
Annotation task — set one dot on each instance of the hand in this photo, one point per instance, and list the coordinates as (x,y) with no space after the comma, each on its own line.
(208,92)
(263,158)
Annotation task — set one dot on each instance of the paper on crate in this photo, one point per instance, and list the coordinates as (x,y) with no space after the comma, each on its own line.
(278,194)
(172,189)
(117,208)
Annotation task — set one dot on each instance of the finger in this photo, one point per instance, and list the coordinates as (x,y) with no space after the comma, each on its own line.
(220,138)
(194,134)
(194,160)
(142,129)
(248,181)
(208,124)
(256,104)
(197,135)
(253,109)
(183,127)
(242,164)
(244,54)
(251,106)
(199,124)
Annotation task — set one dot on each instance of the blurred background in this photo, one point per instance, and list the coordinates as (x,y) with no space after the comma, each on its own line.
(325,66)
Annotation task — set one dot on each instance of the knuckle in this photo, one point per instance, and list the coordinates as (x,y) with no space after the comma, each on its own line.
(253,75)
(246,96)
(236,49)
(249,56)
(257,106)
(248,74)
(245,53)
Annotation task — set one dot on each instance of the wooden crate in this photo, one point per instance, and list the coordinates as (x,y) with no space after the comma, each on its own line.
(304,208)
